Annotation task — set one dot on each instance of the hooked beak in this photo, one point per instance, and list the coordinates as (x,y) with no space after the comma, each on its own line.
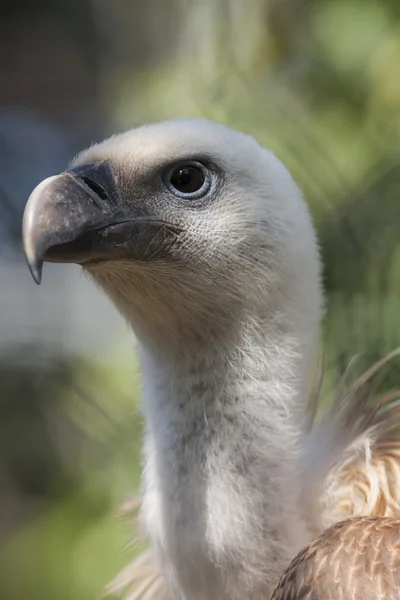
(78,217)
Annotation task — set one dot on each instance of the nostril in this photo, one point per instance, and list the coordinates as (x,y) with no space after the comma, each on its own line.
(95,187)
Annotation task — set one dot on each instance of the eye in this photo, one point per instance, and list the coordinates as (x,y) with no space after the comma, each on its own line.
(188,180)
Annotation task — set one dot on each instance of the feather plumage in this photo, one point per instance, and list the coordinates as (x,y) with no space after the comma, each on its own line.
(356,559)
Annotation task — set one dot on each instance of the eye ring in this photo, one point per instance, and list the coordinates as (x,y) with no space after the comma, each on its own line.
(187,180)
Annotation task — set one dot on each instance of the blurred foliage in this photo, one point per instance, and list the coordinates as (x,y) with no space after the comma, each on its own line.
(68,459)
(318,82)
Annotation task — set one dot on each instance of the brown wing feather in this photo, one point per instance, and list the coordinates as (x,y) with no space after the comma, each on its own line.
(356,559)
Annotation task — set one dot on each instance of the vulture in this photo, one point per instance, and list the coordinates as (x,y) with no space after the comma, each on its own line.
(203,242)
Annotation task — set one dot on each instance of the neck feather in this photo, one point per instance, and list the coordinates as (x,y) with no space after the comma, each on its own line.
(222,497)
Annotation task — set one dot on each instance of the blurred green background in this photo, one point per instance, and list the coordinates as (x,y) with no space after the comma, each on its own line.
(318,81)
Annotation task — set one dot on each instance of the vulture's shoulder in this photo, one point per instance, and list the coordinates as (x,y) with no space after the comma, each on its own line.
(356,559)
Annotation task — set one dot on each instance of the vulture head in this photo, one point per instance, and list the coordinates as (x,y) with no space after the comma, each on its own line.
(187,225)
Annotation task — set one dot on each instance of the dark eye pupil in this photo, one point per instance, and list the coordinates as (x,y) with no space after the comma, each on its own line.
(187,179)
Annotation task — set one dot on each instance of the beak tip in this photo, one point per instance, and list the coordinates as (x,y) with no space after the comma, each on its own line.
(37,275)
(36,270)
(34,262)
